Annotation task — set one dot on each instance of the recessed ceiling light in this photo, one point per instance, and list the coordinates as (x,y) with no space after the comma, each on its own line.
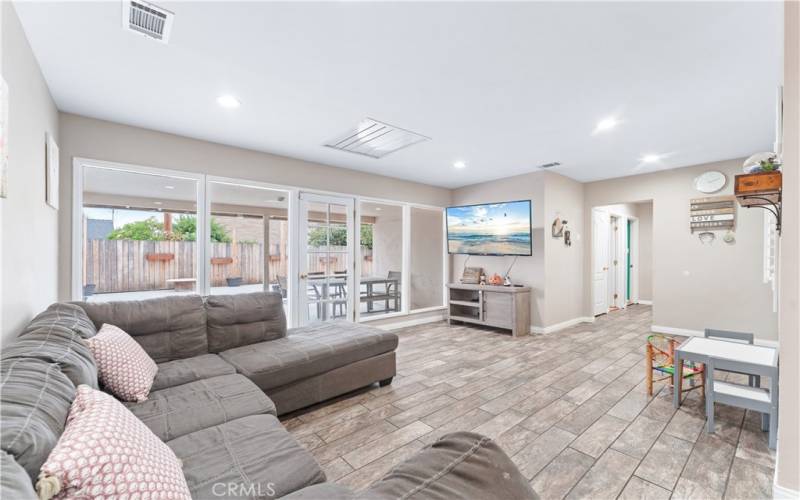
(156,203)
(378,209)
(651,158)
(460,164)
(606,124)
(228,101)
(169,187)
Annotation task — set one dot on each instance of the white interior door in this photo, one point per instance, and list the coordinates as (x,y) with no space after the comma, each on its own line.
(618,252)
(326,264)
(600,252)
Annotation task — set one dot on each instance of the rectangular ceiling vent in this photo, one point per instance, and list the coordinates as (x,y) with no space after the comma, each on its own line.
(550,165)
(375,139)
(147,19)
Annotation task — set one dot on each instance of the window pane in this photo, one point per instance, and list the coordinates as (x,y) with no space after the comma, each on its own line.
(249,239)
(427,258)
(381,236)
(139,235)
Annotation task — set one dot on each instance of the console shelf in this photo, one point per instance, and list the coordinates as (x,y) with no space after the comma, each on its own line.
(506,307)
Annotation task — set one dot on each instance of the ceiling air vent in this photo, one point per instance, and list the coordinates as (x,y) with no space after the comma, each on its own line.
(147,19)
(550,165)
(375,139)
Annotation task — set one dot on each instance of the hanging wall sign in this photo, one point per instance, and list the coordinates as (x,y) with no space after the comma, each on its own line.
(712,213)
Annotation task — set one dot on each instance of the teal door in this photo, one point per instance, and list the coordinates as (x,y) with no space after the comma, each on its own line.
(628,264)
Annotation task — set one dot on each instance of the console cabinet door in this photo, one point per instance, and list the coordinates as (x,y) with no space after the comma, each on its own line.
(497,309)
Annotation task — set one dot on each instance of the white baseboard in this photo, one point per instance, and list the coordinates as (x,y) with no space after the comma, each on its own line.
(685,332)
(645,302)
(395,325)
(562,325)
(781,493)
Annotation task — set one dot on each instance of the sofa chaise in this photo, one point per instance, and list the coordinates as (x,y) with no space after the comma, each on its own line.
(227,367)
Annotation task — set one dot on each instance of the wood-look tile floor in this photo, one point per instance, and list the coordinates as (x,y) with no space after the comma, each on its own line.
(570,408)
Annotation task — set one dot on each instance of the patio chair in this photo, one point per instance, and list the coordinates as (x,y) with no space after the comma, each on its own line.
(393,289)
(340,294)
(282,286)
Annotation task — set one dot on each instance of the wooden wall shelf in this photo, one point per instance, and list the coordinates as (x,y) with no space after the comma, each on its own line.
(761,190)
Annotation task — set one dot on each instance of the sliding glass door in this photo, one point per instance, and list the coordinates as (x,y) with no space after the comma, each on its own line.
(144,232)
(137,234)
(249,238)
(327,239)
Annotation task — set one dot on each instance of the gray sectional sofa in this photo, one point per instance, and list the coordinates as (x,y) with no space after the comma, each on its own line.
(227,367)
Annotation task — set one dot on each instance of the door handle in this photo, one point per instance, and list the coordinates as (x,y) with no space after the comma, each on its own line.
(303,276)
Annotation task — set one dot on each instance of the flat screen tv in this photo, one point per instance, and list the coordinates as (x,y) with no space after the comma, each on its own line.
(490,229)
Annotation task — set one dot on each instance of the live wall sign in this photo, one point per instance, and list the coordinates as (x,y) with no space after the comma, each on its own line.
(712,213)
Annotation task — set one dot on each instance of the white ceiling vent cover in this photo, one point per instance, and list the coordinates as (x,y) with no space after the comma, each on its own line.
(147,19)
(375,139)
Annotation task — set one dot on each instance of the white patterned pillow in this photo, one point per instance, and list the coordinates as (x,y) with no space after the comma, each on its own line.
(106,452)
(122,365)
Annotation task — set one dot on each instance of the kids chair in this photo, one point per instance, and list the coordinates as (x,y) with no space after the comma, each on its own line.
(660,357)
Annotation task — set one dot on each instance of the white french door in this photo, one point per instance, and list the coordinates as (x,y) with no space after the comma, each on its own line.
(326,270)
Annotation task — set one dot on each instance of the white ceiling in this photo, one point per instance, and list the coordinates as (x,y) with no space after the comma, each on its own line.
(503,87)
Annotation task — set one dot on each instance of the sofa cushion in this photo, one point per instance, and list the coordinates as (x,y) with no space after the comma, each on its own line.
(252,457)
(242,319)
(36,397)
(56,344)
(66,315)
(166,327)
(124,368)
(458,465)
(14,481)
(105,452)
(309,351)
(183,371)
(186,408)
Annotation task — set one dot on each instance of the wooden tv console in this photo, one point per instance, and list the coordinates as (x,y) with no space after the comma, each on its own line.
(506,307)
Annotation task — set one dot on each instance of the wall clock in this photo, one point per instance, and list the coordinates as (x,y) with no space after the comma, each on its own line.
(710,182)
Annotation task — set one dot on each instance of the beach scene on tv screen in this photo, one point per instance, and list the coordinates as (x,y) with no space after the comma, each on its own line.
(496,228)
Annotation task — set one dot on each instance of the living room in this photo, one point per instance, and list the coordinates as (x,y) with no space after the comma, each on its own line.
(315,236)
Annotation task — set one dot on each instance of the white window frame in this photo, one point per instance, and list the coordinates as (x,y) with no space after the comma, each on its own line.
(76,286)
(291,246)
(78,164)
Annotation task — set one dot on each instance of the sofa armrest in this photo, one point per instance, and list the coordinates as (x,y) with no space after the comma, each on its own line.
(458,465)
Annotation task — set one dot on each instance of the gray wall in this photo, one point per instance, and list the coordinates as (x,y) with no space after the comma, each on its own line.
(29,226)
(563,198)
(528,270)
(694,285)
(644,211)
(102,140)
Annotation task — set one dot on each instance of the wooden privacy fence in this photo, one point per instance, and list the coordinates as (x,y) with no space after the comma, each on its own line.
(132,265)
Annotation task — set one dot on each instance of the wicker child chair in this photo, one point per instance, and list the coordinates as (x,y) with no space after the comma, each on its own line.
(660,358)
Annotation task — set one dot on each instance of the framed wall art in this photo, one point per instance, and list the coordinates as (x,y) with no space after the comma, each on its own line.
(52,172)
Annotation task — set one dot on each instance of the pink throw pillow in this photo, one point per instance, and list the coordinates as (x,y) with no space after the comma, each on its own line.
(106,452)
(122,365)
